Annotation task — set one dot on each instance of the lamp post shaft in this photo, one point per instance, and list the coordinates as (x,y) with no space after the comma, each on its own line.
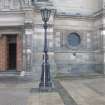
(45,83)
(45,37)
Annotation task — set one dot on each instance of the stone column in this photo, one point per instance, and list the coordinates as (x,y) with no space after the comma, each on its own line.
(27,56)
(19,53)
(101,47)
(27,37)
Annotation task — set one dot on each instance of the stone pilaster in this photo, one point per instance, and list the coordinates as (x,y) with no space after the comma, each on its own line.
(27,37)
(19,53)
(28,48)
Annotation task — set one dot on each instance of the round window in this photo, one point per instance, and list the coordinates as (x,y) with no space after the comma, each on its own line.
(73,39)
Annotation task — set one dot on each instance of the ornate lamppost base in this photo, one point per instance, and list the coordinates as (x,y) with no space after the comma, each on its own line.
(45,83)
(45,86)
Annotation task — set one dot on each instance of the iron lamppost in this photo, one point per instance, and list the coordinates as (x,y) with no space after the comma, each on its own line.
(45,82)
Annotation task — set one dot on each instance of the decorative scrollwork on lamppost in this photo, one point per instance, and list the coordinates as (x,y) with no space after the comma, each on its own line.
(45,82)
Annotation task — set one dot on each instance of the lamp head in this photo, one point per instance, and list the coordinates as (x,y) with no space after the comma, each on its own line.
(45,13)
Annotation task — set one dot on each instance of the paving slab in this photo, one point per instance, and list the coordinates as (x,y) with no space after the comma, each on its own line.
(45,99)
(83,94)
(13,97)
(14,91)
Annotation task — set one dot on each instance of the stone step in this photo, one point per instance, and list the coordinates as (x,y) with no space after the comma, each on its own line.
(70,76)
(15,74)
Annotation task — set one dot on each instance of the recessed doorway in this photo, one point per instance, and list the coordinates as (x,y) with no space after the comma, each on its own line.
(11,39)
(12,56)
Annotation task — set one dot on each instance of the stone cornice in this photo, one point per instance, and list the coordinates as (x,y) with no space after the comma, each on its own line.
(74,17)
(11,12)
(96,15)
(39,5)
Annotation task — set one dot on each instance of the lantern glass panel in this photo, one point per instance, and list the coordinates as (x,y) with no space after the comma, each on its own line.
(45,13)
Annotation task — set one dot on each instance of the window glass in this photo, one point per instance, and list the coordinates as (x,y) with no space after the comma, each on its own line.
(73,39)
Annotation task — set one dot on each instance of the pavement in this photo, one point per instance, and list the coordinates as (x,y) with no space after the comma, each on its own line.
(17,91)
(83,91)
(86,91)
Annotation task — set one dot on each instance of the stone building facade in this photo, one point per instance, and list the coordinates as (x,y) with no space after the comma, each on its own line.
(75,40)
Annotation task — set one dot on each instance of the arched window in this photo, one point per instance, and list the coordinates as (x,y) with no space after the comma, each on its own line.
(74,39)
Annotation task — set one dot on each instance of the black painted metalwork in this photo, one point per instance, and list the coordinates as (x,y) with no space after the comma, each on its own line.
(45,83)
